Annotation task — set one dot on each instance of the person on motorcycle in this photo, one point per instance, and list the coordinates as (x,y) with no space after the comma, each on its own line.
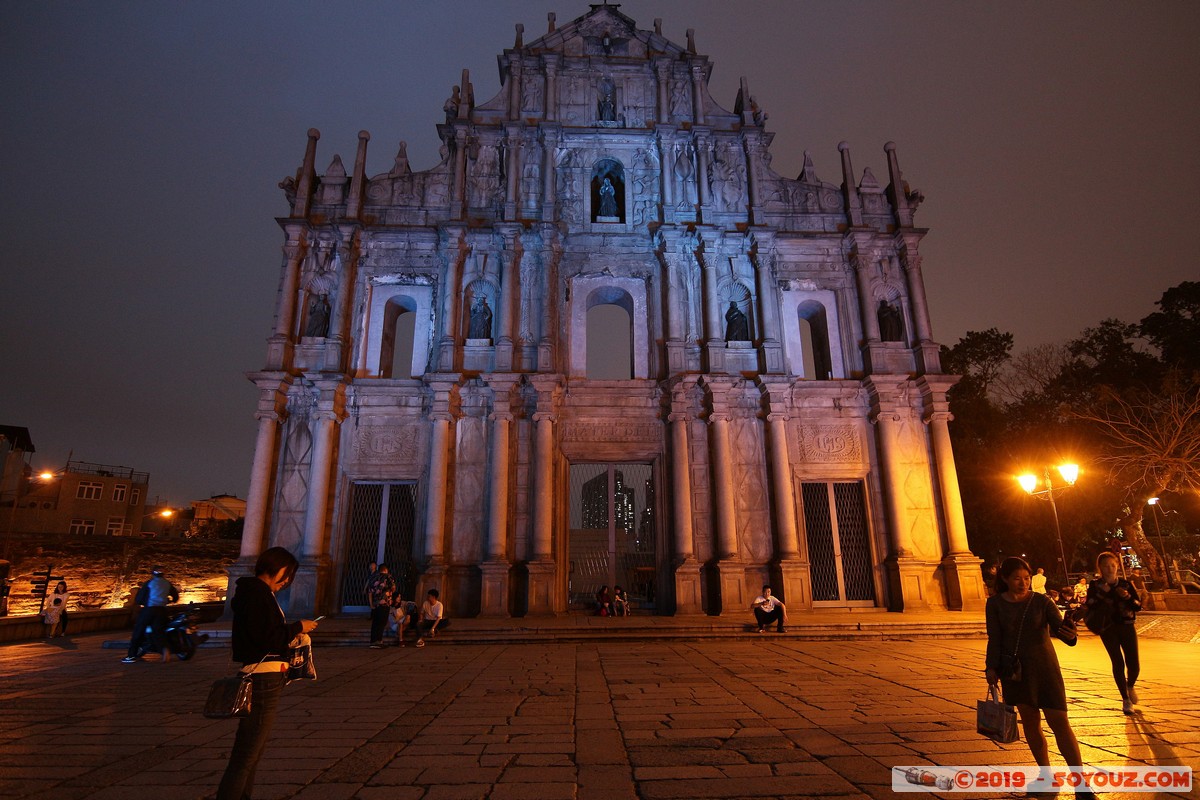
(153,598)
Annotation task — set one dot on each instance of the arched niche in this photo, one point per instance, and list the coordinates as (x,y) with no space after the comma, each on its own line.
(812,334)
(479,310)
(610,341)
(737,298)
(588,292)
(388,305)
(608,174)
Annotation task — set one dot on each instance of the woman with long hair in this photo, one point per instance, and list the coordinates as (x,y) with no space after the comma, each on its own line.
(260,643)
(1114,602)
(1020,657)
(54,615)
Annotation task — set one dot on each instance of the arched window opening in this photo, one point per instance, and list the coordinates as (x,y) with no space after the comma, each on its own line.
(609,342)
(814,338)
(399,336)
(608,191)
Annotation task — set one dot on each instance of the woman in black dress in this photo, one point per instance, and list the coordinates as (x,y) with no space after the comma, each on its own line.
(1115,601)
(1021,621)
(260,642)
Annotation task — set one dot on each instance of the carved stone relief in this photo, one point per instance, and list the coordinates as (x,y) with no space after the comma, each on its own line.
(839,444)
(387,444)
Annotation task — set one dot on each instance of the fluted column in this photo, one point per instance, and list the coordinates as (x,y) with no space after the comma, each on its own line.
(870,321)
(781,483)
(676,298)
(543,501)
(497,543)
(258,498)
(435,503)
(916,293)
(317,504)
(549,173)
(726,509)
(551,97)
(681,486)
(943,453)
(703,144)
(698,94)
(887,422)
(513,170)
(279,348)
(712,298)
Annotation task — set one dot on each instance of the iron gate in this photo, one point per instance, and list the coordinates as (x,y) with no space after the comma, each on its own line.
(839,545)
(381,529)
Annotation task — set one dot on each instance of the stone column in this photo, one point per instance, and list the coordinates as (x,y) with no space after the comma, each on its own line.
(698,94)
(454,251)
(510,280)
(542,592)
(512,197)
(279,348)
(666,175)
(311,583)
(703,143)
(713,329)
(551,62)
(768,303)
(928,351)
(662,73)
(960,567)
(687,569)
(458,189)
(338,338)
(793,572)
(549,172)
(732,568)
(496,568)
(861,262)
(910,577)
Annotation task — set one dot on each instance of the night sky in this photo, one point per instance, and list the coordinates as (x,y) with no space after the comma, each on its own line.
(1057,145)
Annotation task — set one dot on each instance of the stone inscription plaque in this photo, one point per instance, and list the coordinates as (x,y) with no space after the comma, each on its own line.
(378,444)
(611,432)
(831,443)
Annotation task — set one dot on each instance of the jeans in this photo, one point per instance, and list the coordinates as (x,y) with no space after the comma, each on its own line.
(251,739)
(765,618)
(379,621)
(1122,637)
(156,618)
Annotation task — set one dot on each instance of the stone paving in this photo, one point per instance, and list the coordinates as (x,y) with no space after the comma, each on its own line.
(748,717)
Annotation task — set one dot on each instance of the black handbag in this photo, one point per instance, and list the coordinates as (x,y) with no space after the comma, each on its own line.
(229,697)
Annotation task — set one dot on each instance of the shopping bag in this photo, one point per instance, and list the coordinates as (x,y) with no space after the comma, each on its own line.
(229,697)
(300,660)
(994,718)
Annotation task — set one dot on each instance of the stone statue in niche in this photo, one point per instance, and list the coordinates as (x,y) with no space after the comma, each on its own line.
(737,328)
(891,323)
(451,105)
(680,106)
(480,326)
(317,321)
(608,199)
(607,105)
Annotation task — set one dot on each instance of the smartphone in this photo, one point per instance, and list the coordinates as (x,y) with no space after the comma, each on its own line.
(318,619)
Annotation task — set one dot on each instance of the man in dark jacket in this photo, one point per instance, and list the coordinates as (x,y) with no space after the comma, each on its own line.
(154,597)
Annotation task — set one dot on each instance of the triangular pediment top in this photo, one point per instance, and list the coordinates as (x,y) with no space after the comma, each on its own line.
(604,31)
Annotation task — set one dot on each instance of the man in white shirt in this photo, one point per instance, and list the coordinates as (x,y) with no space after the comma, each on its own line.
(1038,582)
(767,609)
(433,616)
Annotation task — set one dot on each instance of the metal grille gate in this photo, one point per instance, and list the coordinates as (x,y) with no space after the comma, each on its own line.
(613,536)
(839,548)
(381,528)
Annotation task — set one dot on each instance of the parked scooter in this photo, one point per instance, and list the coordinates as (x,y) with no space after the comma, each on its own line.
(180,636)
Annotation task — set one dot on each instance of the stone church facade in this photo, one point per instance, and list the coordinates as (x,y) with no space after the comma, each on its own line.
(446,390)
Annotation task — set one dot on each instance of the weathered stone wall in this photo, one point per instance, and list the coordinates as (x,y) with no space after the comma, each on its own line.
(105,572)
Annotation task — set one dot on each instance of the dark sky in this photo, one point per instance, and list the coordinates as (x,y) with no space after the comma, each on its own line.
(141,144)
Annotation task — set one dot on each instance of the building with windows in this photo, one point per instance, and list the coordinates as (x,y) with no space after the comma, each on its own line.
(767,404)
(82,499)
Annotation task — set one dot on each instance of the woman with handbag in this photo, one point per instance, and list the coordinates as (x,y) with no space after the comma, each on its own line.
(1020,657)
(260,643)
(1112,606)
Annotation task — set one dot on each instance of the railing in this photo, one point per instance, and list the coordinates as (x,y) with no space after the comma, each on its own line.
(1187,580)
(107,471)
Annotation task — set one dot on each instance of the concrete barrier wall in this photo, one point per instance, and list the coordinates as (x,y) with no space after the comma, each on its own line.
(30,628)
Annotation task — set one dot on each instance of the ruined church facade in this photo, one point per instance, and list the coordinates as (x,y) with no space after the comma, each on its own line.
(602,342)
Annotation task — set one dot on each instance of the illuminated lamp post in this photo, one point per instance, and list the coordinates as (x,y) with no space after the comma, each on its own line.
(1029,482)
(1162,547)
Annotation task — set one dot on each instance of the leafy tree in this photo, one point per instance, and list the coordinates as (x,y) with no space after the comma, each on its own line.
(1175,328)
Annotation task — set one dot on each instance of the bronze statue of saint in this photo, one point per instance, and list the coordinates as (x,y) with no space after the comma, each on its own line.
(737,329)
(480,326)
(608,199)
(891,323)
(317,324)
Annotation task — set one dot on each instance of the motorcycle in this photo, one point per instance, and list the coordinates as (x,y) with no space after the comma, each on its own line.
(180,636)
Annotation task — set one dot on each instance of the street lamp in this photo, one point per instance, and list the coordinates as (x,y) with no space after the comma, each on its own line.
(1029,482)
(1153,503)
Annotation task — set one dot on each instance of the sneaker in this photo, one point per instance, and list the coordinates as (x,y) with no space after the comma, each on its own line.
(376,645)
(129,660)
(1131,693)
(761,630)
(420,642)
(1127,706)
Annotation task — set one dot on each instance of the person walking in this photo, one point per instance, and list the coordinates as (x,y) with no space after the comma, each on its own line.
(380,589)
(1021,658)
(1111,610)
(54,615)
(260,642)
(154,597)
